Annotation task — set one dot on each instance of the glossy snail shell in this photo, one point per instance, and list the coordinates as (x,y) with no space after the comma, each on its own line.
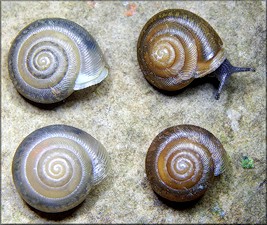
(55,167)
(50,58)
(176,46)
(182,161)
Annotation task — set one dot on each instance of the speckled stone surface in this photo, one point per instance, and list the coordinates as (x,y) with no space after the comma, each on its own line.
(125,113)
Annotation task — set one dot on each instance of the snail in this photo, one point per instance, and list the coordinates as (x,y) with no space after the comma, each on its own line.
(55,167)
(51,58)
(176,46)
(182,161)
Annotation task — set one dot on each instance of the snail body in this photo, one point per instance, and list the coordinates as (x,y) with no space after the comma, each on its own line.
(176,46)
(55,167)
(182,161)
(50,58)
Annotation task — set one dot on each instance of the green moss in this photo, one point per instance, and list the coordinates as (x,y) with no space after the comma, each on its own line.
(247,162)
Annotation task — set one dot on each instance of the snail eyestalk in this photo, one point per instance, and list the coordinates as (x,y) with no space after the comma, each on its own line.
(225,70)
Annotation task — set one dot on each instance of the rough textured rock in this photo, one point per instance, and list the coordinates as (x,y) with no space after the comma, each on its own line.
(125,113)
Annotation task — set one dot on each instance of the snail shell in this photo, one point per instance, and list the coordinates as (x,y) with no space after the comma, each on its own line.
(176,46)
(50,58)
(182,161)
(55,167)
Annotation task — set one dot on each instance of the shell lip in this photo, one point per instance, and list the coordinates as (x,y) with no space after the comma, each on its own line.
(84,81)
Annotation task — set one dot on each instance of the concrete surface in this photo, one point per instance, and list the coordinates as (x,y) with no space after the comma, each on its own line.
(125,113)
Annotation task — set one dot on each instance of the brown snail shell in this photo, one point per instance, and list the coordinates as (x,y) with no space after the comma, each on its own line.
(55,167)
(176,46)
(51,58)
(182,161)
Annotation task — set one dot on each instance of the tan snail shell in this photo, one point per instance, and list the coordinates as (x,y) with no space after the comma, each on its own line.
(50,58)
(176,46)
(182,161)
(55,167)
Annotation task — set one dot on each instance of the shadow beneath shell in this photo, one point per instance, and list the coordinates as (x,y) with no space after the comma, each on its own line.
(178,205)
(196,83)
(75,96)
(56,216)
(43,106)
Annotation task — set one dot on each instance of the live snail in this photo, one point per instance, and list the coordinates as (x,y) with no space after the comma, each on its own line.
(176,46)
(182,161)
(55,167)
(51,58)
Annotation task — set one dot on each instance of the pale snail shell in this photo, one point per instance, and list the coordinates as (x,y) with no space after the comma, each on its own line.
(50,58)
(176,46)
(55,167)
(182,161)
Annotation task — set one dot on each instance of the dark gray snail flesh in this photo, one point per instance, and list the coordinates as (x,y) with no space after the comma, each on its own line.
(225,70)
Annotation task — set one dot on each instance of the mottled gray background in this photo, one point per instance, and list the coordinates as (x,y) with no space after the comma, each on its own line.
(125,113)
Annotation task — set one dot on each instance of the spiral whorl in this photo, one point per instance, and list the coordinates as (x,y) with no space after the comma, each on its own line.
(55,167)
(176,46)
(182,161)
(50,58)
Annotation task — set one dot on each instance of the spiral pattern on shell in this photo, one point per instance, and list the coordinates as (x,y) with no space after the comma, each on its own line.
(175,46)
(50,58)
(182,161)
(55,167)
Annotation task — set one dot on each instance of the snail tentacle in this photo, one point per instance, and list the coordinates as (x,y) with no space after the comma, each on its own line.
(223,73)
